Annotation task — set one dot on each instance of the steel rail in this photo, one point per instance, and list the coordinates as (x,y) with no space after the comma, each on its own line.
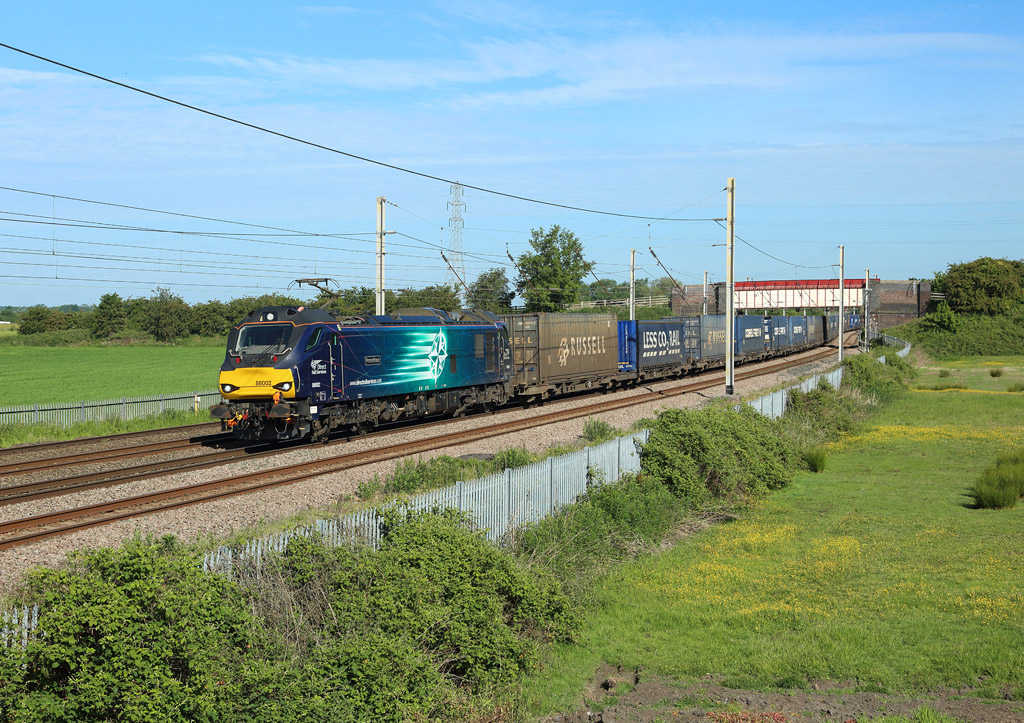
(243,484)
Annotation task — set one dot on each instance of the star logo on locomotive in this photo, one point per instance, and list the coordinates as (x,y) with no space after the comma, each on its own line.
(438,355)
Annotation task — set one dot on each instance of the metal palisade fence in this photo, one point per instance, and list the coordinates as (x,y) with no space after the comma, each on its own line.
(497,504)
(774,405)
(17,625)
(64,414)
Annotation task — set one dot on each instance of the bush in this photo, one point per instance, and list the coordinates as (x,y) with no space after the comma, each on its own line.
(976,335)
(945,373)
(997,372)
(1016,387)
(880,382)
(611,522)
(818,416)
(598,430)
(716,452)
(133,634)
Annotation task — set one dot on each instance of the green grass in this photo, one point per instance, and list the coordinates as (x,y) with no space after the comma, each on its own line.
(30,375)
(877,570)
(973,373)
(11,434)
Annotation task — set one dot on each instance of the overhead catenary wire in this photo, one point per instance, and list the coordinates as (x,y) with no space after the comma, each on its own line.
(338,151)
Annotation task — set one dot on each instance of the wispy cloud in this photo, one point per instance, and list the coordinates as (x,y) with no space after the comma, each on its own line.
(565,70)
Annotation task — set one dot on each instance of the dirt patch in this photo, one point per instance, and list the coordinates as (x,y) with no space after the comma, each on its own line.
(618,696)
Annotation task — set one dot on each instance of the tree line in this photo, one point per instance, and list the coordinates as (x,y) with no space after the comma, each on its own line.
(552,275)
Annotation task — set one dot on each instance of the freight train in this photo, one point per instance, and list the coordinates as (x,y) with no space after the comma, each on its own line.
(295,372)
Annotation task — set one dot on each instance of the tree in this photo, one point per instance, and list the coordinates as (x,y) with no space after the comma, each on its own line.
(552,276)
(491,292)
(35,320)
(438,296)
(168,316)
(985,286)
(110,317)
(209,319)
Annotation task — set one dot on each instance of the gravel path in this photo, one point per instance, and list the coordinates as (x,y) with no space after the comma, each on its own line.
(224,517)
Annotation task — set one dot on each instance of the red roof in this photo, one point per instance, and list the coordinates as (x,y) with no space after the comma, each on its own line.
(800,284)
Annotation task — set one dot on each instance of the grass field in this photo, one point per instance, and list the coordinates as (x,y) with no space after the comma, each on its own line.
(51,374)
(875,573)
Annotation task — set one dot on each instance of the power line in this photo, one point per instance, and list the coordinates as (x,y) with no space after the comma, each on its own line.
(156,210)
(322,147)
(781,261)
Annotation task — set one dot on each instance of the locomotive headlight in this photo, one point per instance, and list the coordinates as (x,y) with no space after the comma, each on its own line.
(283,386)
(228,388)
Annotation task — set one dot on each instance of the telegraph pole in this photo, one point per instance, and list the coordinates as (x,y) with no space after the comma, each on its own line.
(704,311)
(864,315)
(730,303)
(380,256)
(842,295)
(632,285)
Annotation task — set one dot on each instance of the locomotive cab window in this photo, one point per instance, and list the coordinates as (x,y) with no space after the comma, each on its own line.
(314,339)
(478,346)
(258,338)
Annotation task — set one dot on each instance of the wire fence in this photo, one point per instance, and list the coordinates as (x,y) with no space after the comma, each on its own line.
(64,414)
(498,504)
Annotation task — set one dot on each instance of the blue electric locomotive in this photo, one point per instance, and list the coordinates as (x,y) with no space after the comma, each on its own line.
(292,372)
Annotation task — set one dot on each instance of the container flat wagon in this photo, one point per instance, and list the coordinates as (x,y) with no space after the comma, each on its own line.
(555,354)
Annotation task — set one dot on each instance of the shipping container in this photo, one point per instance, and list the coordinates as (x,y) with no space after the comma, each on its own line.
(562,350)
(751,338)
(780,333)
(833,326)
(627,346)
(815,330)
(854,321)
(797,330)
(712,338)
(660,343)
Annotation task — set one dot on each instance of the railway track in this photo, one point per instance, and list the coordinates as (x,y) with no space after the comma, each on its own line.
(41,526)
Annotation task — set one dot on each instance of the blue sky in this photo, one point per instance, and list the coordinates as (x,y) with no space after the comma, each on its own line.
(896,129)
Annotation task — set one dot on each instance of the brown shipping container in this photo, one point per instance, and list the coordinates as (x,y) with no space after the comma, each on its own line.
(549,348)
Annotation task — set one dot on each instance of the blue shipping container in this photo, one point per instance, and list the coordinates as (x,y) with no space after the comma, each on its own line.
(627,346)
(659,343)
(780,332)
(750,335)
(797,330)
(712,337)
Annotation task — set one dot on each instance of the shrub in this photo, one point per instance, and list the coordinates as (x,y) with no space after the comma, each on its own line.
(598,430)
(945,373)
(612,522)
(132,634)
(716,452)
(882,382)
(818,416)
(997,372)
(815,459)
(511,458)
(1016,387)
